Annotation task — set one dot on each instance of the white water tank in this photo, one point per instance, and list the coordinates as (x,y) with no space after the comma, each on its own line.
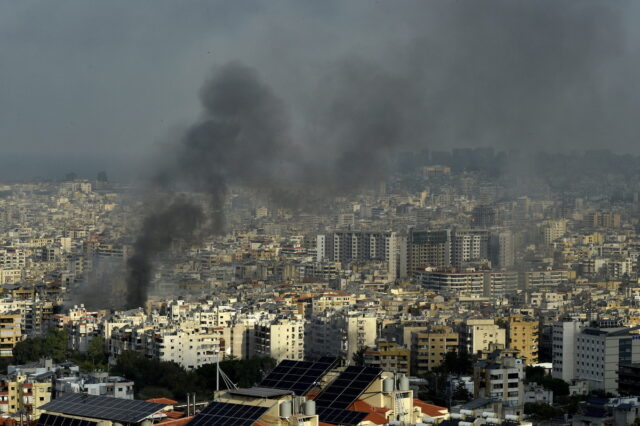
(309,408)
(403,384)
(285,409)
(387,385)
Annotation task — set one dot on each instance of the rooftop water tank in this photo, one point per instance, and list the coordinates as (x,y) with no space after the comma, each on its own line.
(285,409)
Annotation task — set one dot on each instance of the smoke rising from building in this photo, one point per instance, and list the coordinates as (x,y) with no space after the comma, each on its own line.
(517,75)
(240,139)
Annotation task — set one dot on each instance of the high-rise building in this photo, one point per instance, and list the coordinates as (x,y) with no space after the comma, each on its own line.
(469,246)
(483,216)
(398,256)
(564,337)
(429,248)
(502,249)
(348,246)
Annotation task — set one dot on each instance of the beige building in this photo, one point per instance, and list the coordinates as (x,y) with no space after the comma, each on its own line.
(501,380)
(386,399)
(523,335)
(477,334)
(18,393)
(10,332)
(429,348)
(10,276)
(553,229)
(389,356)
(327,301)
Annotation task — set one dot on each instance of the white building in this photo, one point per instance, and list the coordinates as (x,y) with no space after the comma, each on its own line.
(563,343)
(599,351)
(280,339)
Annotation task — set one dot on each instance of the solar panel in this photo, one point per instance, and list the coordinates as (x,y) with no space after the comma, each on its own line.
(339,416)
(328,359)
(347,387)
(223,413)
(297,376)
(52,420)
(103,407)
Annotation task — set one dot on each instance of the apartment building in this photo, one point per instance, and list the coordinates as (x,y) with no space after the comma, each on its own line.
(477,334)
(10,332)
(600,351)
(21,393)
(280,339)
(341,333)
(523,336)
(564,339)
(501,379)
(389,356)
(189,347)
(429,347)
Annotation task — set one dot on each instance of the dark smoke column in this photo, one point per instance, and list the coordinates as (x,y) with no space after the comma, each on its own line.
(178,221)
(242,138)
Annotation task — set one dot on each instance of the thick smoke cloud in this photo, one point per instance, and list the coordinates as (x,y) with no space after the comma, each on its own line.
(523,74)
(240,139)
(516,75)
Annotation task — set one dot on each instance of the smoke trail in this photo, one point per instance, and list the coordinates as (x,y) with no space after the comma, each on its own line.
(501,73)
(180,220)
(240,139)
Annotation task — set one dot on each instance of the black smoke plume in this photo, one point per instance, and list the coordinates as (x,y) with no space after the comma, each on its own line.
(511,74)
(241,138)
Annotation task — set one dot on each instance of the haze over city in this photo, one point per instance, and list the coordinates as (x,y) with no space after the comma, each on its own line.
(319,212)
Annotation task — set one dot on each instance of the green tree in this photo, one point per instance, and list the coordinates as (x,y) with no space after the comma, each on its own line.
(53,345)
(460,393)
(358,357)
(534,373)
(457,362)
(541,410)
(97,352)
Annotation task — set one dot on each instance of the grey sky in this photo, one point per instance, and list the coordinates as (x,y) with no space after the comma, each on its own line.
(88,85)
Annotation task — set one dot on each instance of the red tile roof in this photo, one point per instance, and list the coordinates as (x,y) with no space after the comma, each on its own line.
(178,422)
(165,401)
(430,409)
(376,414)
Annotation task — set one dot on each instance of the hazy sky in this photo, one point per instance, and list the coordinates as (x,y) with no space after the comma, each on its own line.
(89,85)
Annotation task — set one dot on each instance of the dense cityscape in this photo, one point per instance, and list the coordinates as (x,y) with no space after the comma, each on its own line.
(319,213)
(467,294)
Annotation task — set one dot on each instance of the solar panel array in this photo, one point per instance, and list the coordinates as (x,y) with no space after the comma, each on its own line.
(52,420)
(103,407)
(223,413)
(297,376)
(347,387)
(340,416)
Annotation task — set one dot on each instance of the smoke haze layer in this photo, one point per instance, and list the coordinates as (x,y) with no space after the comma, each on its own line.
(518,75)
